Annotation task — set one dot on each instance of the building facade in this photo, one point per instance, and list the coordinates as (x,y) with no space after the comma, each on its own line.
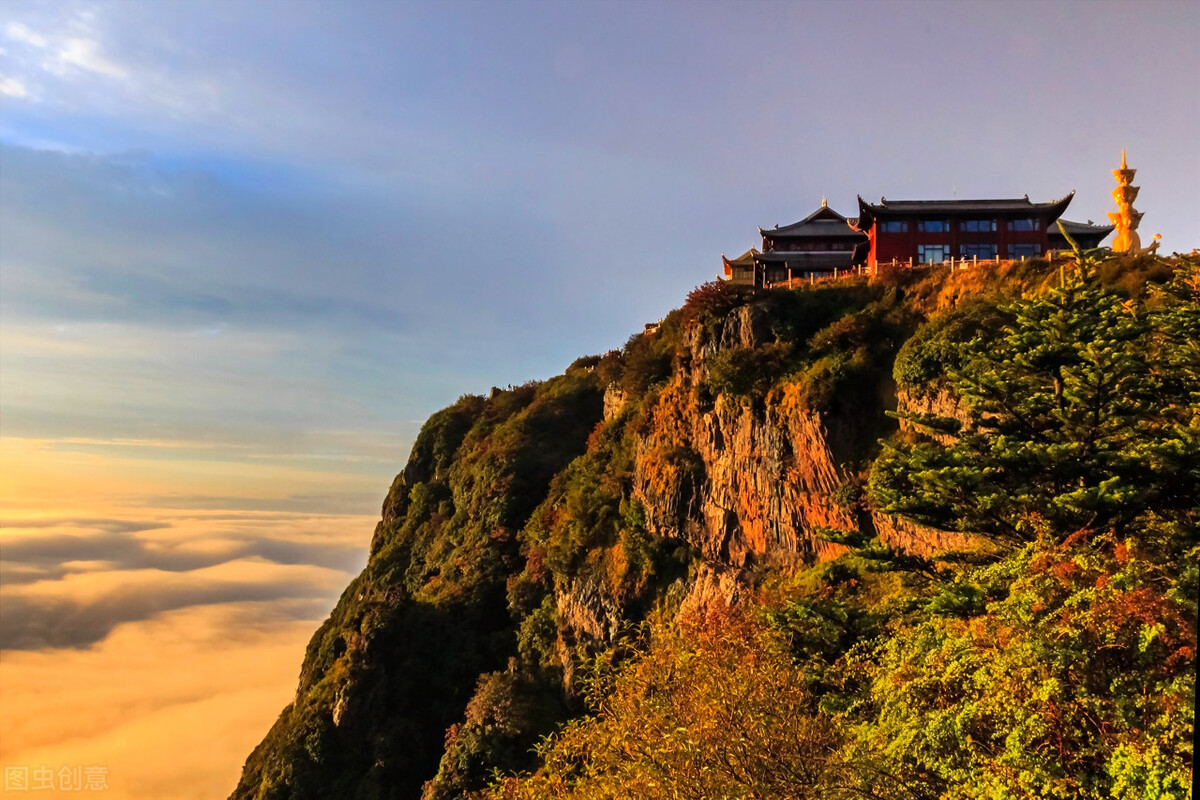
(933,231)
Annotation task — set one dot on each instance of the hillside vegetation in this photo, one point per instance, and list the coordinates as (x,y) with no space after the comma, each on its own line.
(929,535)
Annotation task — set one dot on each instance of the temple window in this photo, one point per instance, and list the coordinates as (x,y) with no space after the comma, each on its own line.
(1024,224)
(893,226)
(977,225)
(934,226)
(978,250)
(932,253)
(1024,250)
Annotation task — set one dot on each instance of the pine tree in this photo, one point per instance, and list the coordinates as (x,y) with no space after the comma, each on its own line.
(1081,414)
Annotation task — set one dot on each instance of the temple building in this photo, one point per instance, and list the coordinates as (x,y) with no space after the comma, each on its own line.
(933,231)
(818,245)
(908,232)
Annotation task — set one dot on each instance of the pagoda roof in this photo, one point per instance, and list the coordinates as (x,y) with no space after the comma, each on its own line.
(869,212)
(746,259)
(823,223)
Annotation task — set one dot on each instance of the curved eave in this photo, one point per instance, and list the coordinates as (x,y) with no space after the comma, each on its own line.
(744,260)
(866,216)
(1057,208)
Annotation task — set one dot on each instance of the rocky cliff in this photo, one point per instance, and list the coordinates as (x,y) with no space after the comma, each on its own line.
(530,529)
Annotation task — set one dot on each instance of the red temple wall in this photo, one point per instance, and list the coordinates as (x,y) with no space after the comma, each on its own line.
(902,246)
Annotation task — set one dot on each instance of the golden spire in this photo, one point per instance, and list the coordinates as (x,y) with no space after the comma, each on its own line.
(1126,218)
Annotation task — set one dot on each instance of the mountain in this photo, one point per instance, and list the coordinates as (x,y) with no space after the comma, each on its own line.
(814,502)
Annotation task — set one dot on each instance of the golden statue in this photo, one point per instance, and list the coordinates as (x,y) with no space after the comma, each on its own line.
(1126,218)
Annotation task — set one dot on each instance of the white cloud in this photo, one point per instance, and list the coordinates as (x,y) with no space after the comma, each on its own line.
(85,54)
(21,33)
(11,87)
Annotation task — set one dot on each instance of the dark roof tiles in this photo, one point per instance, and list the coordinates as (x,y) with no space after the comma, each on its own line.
(808,259)
(823,223)
(963,206)
(823,228)
(1079,227)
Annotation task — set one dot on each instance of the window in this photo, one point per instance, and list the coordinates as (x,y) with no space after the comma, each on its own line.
(978,250)
(893,226)
(1024,224)
(934,226)
(933,253)
(1024,250)
(977,225)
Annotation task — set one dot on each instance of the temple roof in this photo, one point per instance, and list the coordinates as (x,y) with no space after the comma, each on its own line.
(808,259)
(823,223)
(868,212)
(1075,228)
(746,259)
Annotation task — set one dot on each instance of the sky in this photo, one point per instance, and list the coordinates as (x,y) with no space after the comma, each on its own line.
(246,248)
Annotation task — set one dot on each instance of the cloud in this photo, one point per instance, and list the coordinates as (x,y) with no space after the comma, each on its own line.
(200,301)
(11,87)
(83,608)
(339,503)
(110,526)
(20,32)
(85,54)
(170,706)
(70,581)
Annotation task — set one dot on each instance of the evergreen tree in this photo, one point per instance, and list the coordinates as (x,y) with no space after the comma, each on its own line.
(1081,413)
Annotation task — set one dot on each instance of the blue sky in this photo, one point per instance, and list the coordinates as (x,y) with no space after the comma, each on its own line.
(246,248)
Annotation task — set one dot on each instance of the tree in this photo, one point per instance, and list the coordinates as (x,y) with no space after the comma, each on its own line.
(1081,413)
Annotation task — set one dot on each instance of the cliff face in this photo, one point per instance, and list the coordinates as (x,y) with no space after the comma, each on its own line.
(529,529)
(763,478)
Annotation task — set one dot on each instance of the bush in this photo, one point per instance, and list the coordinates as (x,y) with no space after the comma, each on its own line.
(749,372)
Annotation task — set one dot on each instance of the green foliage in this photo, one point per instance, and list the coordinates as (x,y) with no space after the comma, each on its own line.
(649,357)
(495,730)
(1078,683)
(709,303)
(749,372)
(714,708)
(1073,401)
(936,350)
